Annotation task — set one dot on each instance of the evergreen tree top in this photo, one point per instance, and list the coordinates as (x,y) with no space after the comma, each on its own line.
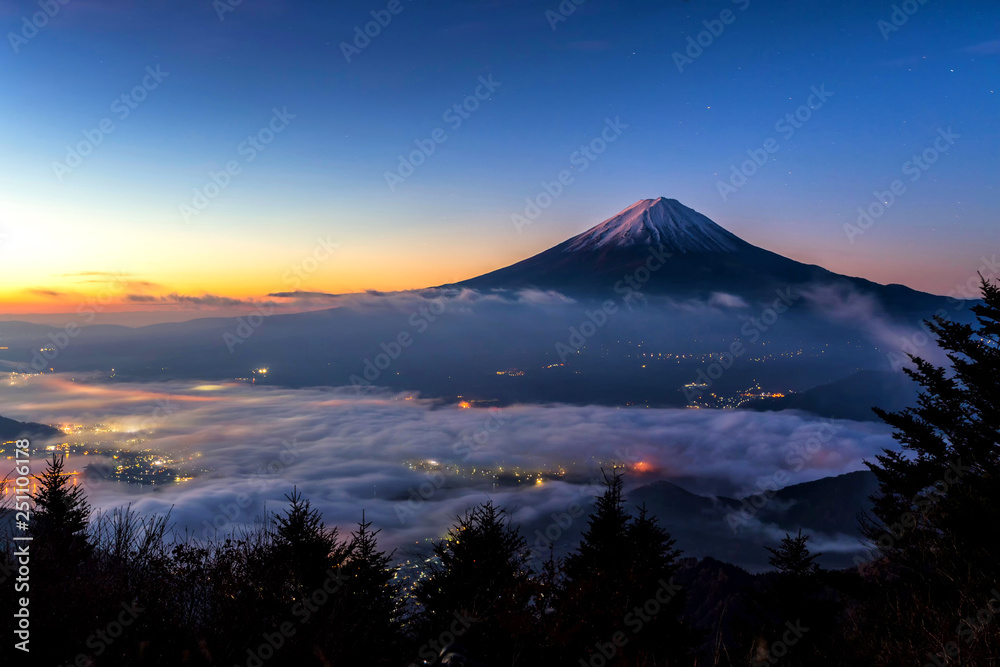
(793,557)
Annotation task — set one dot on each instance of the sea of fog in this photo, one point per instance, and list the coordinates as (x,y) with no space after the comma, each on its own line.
(410,464)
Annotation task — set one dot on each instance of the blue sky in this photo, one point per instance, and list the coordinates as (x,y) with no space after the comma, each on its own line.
(325,173)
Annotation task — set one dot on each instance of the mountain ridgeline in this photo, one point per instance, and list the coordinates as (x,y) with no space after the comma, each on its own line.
(688,256)
(11,429)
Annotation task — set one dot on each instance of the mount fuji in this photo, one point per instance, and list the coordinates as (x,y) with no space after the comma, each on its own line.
(696,258)
(664,223)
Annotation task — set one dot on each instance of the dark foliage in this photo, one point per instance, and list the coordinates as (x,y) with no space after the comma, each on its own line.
(939,500)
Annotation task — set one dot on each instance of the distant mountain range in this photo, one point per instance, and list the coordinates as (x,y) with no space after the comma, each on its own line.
(827,509)
(685,255)
(12,430)
(849,398)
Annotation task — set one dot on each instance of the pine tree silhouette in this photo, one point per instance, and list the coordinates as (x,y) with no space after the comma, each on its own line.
(939,498)
(944,487)
(666,639)
(481,581)
(653,547)
(622,565)
(305,545)
(603,548)
(61,566)
(365,625)
(61,515)
(792,556)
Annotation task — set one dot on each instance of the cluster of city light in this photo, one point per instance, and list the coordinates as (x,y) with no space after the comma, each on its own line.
(515,474)
(500,473)
(15,379)
(91,455)
(731,401)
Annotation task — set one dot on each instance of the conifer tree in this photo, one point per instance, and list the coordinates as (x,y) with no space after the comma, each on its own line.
(61,515)
(939,499)
(61,562)
(938,494)
(305,545)
(621,570)
(480,590)
(604,547)
(664,638)
(365,625)
(792,557)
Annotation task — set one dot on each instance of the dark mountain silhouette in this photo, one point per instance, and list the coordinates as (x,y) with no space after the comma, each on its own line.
(831,504)
(11,430)
(849,398)
(825,508)
(688,256)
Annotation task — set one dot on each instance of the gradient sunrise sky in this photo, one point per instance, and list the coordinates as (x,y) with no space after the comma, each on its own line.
(215,73)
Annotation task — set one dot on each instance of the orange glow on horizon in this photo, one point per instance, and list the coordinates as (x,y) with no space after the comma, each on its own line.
(55,294)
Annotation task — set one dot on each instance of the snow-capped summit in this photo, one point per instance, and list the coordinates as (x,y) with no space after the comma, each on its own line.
(703,257)
(664,223)
(664,247)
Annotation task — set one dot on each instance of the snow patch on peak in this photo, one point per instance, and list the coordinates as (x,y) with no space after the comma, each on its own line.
(663,223)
